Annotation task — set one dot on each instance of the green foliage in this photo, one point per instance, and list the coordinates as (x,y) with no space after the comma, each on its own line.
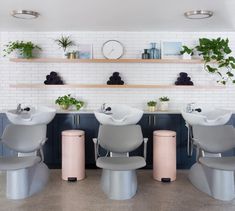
(64,42)
(217,58)
(164,99)
(25,48)
(152,103)
(187,50)
(67,101)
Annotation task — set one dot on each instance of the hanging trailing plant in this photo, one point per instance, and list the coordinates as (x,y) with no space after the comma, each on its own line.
(217,58)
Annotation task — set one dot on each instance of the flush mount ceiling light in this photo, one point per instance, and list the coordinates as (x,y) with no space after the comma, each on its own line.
(198,14)
(24,14)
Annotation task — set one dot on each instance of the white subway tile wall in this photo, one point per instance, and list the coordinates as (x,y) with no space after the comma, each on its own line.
(134,42)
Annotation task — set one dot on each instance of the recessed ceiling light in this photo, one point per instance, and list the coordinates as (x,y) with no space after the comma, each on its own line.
(24,14)
(198,14)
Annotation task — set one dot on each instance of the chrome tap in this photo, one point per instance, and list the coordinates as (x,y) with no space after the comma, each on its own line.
(102,109)
(18,109)
(190,108)
(105,109)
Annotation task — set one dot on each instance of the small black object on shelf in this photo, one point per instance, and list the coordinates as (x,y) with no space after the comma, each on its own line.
(146,54)
(115,79)
(53,79)
(183,79)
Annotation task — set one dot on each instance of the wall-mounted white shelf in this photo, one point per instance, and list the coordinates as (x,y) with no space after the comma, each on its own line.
(61,60)
(127,86)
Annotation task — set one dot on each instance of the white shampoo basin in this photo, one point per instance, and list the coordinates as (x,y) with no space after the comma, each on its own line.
(119,115)
(36,115)
(209,117)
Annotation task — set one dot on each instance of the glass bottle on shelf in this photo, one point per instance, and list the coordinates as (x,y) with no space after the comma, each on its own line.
(154,53)
(145,55)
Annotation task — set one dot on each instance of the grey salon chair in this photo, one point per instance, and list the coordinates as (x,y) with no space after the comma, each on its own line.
(212,173)
(28,174)
(119,181)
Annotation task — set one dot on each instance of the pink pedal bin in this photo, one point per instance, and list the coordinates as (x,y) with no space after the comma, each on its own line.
(73,155)
(164,155)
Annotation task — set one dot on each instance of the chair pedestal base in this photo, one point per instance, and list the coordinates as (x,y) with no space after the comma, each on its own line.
(23,183)
(119,185)
(217,183)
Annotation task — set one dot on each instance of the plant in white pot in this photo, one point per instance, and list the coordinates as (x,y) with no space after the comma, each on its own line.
(164,103)
(186,52)
(64,42)
(152,106)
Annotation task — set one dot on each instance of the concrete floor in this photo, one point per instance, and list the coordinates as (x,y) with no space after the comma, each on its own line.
(86,195)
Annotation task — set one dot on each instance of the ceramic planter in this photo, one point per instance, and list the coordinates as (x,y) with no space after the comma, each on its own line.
(164,105)
(71,55)
(152,108)
(186,56)
(17,54)
(64,107)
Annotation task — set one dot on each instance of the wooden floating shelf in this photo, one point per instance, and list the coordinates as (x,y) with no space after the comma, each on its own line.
(130,86)
(61,60)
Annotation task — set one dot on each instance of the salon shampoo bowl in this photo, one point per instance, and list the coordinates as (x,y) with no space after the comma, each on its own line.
(36,116)
(119,115)
(207,117)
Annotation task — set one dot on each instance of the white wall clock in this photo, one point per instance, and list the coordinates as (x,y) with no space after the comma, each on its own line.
(112,49)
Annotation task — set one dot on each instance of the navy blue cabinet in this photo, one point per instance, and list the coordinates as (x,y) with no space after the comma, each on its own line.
(53,149)
(175,122)
(5,151)
(1,130)
(90,125)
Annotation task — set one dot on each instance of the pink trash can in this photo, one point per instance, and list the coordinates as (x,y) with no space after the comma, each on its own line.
(73,155)
(164,155)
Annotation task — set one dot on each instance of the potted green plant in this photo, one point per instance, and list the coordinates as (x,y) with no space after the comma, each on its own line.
(164,103)
(186,52)
(66,101)
(21,48)
(152,106)
(64,42)
(216,54)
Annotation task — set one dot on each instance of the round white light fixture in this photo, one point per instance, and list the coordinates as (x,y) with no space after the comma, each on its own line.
(25,14)
(198,14)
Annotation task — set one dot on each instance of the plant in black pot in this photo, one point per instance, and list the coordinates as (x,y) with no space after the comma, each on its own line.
(21,48)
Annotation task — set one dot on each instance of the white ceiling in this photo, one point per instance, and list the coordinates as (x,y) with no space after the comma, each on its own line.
(117,15)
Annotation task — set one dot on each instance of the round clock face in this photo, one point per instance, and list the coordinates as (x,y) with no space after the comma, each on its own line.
(112,49)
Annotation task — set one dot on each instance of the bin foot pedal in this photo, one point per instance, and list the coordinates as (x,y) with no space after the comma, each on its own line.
(166,179)
(72,179)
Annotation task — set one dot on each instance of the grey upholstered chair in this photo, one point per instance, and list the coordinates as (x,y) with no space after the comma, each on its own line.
(214,174)
(25,175)
(119,179)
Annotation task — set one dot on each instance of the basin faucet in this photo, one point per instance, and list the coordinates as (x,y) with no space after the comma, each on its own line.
(190,109)
(103,108)
(19,109)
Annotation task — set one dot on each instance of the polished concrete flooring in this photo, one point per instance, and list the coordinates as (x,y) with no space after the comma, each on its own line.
(86,195)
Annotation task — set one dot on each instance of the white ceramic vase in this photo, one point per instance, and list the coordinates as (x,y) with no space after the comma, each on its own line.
(186,56)
(164,105)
